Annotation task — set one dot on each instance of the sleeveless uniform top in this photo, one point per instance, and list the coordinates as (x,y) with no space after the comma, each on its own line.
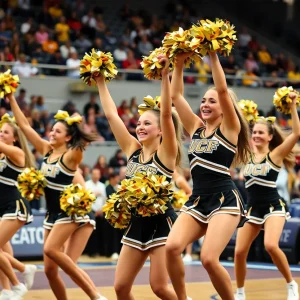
(261,181)
(58,176)
(153,165)
(210,159)
(8,181)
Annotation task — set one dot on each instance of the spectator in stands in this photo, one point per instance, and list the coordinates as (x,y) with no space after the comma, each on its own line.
(251,64)
(90,126)
(118,160)
(66,49)
(92,104)
(133,106)
(253,45)
(98,188)
(82,44)
(36,123)
(30,44)
(23,69)
(101,164)
(7,55)
(40,104)
(230,67)
(57,59)
(132,63)
(144,46)
(5,35)
(250,79)
(282,62)
(274,83)
(55,11)
(244,38)
(42,34)
(50,46)
(27,26)
(21,99)
(73,63)
(122,109)
(100,26)
(44,17)
(264,55)
(89,19)
(110,40)
(120,54)
(74,24)
(15,45)
(62,30)
(293,75)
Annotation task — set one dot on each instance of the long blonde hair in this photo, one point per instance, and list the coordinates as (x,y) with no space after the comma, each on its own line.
(21,142)
(243,146)
(179,133)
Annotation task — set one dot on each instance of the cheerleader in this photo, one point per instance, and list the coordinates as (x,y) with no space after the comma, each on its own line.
(27,271)
(157,150)
(14,211)
(215,208)
(62,156)
(266,209)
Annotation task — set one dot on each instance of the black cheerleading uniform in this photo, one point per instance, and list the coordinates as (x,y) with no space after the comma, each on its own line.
(263,198)
(12,205)
(144,233)
(58,177)
(214,192)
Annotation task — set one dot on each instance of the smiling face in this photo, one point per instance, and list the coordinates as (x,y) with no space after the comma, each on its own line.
(7,134)
(210,107)
(261,135)
(58,135)
(148,127)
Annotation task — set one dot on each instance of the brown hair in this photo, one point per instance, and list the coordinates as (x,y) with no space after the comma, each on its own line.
(243,146)
(277,140)
(21,142)
(79,138)
(178,131)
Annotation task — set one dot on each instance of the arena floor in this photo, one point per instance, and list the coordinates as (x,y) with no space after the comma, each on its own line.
(264,282)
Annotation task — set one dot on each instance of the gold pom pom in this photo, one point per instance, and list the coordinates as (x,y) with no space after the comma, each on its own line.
(117,211)
(213,36)
(151,66)
(282,101)
(177,42)
(151,193)
(249,110)
(179,198)
(31,184)
(76,200)
(8,83)
(97,63)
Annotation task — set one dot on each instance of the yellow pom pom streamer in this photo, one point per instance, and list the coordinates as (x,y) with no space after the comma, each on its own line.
(179,198)
(213,36)
(151,66)
(6,118)
(8,83)
(149,104)
(282,101)
(31,184)
(177,42)
(117,211)
(249,110)
(152,193)
(76,200)
(97,63)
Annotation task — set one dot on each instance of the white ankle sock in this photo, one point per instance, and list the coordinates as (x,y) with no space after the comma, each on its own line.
(292,282)
(241,290)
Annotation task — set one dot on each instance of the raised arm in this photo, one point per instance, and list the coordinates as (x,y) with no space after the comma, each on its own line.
(181,183)
(280,152)
(189,120)
(168,149)
(15,154)
(230,124)
(78,178)
(126,141)
(39,144)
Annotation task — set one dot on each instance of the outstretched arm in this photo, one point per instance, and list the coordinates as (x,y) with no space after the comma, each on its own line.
(39,144)
(15,154)
(280,152)
(126,141)
(230,124)
(168,149)
(189,120)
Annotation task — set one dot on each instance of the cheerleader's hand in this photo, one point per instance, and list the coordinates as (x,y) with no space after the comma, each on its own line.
(99,78)
(181,57)
(293,96)
(164,61)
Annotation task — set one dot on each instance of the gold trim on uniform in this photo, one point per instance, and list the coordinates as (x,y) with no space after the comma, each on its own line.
(162,169)
(226,144)
(204,164)
(136,244)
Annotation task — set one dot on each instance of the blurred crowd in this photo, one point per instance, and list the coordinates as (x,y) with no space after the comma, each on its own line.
(59,32)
